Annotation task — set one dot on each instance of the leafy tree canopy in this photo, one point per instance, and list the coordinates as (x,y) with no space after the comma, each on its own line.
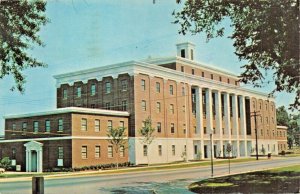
(147,131)
(265,34)
(282,116)
(20,22)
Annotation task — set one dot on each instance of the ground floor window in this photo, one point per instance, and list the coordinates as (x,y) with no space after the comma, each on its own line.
(173,150)
(145,150)
(122,151)
(97,151)
(60,152)
(160,150)
(110,151)
(84,152)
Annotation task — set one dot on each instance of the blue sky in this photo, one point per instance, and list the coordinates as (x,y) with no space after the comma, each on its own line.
(90,33)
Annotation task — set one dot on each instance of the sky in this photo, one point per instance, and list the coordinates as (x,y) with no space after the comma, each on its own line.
(91,33)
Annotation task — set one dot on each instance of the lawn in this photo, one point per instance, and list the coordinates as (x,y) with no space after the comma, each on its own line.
(280,180)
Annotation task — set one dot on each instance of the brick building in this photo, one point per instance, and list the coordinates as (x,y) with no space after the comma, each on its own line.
(186,101)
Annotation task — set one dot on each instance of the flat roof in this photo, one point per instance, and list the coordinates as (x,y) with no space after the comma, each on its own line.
(70,110)
(281,127)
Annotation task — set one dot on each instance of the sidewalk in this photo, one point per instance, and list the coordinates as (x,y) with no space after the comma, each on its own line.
(26,176)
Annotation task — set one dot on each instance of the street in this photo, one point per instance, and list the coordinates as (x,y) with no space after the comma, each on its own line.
(163,181)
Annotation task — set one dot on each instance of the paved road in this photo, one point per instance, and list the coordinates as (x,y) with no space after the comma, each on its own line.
(165,181)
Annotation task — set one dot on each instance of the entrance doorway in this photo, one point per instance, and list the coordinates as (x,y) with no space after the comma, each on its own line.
(205,151)
(33,161)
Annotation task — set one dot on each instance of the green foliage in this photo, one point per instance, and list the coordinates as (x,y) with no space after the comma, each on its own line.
(5,163)
(20,22)
(265,34)
(117,137)
(282,116)
(147,131)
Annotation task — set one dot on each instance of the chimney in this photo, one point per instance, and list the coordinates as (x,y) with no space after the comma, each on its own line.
(186,50)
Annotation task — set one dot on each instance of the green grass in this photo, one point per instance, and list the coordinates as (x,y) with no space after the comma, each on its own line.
(218,184)
(286,169)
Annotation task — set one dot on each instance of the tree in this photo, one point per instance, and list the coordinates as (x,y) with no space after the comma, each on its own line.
(265,34)
(117,138)
(228,150)
(147,133)
(282,116)
(20,22)
(5,163)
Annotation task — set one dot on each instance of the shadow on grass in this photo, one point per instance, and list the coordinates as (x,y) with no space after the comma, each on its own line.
(255,182)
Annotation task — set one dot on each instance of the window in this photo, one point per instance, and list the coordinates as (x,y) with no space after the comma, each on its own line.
(157,87)
(184,129)
(172,128)
(211,76)
(192,54)
(14,153)
(159,150)
(35,126)
(182,52)
(60,152)
(78,92)
(47,126)
(183,108)
(171,89)
(14,126)
(220,78)
(107,106)
(193,71)
(84,124)
(60,125)
(93,106)
(84,152)
(109,124)
(202,74)
(122,124)
(107,87)
(266,106)
(124,105)
(158,108)
(97,151)
(173,150)
(204,130)
(228,81)
(93,89)
(158,127)
(97,125)
(261,132)
(65,93)
(267,120)
(124,85)
(195,130)
(143,84)
(24,126)
(143,105)
(110,151)
(182,69)
(145,150)
(172,108)
(183,91)
(122,151)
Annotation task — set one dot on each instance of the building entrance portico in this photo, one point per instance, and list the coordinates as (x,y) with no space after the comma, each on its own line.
(34,156)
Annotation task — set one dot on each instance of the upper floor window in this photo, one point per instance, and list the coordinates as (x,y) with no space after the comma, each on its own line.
(193,71)
(172,128)
(182,52)
(122,151)
(158,108)
(211,76)
(14,126)
(97,125)
(122,124)
(47,126)
(220,78)
(65,93)
(78,92)
(84,124)
(110,153)
(160,150)
(202,74)
(144,105)
(24,126)
(60,125)
(171,90)
(109,124)
(107,87)
(143,84)
(182,68)
(124,85)
(172,108)
(35,126)
(266,106)
(158,127)
(124,105)
(145,150)
(228,81)
(84,152)
(183,91)
(157,87)
(192,54)
(107,106)
(93,89)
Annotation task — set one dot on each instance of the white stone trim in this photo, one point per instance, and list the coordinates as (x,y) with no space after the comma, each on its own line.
(70,110)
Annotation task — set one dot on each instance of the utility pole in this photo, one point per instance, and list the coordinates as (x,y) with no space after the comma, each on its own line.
(255,128)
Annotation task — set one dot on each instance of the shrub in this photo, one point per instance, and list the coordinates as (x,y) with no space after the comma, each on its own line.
(5,163)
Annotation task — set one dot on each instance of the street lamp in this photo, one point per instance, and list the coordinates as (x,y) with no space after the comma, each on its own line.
(211,154)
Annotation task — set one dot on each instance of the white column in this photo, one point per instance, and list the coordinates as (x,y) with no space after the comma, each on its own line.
(227,115)
(209,115)
(199,112)
(242,116)
(235,115)
(40,160)
(27,161)
(218,113)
